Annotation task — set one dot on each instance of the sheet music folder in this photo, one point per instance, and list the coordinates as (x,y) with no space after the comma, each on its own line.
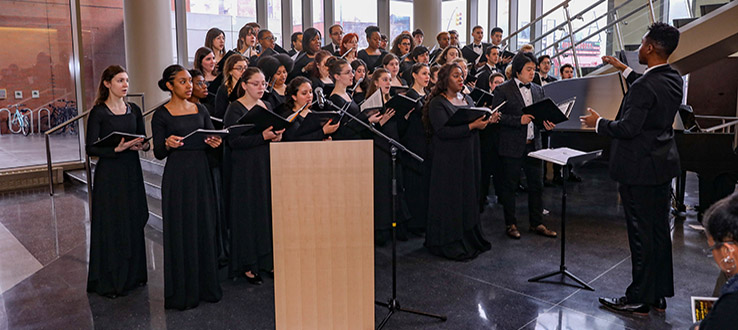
(262,118)
(466,115)
(564,156)
(544,110)
(196,139)
(113,139)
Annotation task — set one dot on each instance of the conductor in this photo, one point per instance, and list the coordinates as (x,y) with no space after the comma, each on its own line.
(643,160)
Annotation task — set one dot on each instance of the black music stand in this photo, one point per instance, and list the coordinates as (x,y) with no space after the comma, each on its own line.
(564,157)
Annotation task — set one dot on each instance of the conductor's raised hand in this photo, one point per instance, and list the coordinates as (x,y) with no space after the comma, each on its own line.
(269,134)
(173,142)
(387,116)
(590,120)
(548,125)
(614,62)
(213,141)
(123,145)
(330,128)
(526,119)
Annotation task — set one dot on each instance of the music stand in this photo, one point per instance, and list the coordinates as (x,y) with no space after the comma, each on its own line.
(563,157)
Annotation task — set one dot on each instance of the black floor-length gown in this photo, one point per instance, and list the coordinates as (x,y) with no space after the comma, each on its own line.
(453,230)
(416,175)
(119,209)
(189,213)
(250,205)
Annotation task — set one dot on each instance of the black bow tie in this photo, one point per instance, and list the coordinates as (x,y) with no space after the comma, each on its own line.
(520,85)
(477,46)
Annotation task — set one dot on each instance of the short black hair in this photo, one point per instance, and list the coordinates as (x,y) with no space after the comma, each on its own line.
(418,32)
(477,27)
(721,219)
(417,51)
(520,60)
(261,34)
(567,65)
(495,30)
(370,30)
(489,49)
(542,57)
(453,32)
(294,36)
(664,36)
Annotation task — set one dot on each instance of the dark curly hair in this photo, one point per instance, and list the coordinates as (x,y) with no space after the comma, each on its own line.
(291,90)
(664,36)
(721,219)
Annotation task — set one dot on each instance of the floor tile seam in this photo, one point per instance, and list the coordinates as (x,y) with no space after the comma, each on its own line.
(28,252)
(49,264)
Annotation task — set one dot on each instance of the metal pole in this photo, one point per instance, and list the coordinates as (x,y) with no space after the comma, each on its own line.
(48,165)
(618,33)
(571,39)
(651,11)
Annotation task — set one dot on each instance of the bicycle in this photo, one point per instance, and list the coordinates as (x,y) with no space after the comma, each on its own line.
(19,118)
(60,114)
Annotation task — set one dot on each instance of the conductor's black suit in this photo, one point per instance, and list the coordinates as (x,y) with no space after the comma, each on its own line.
(643,160)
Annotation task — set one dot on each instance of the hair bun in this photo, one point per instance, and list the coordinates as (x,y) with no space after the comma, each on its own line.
(162,85)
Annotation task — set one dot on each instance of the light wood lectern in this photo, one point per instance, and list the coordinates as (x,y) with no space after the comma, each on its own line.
(323,230)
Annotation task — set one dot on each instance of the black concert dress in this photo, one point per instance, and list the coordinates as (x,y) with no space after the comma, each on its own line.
(189,213)
(119,209)
(454,230)
(416,175)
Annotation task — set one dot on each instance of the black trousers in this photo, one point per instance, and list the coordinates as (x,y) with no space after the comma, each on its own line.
(533,169)
(647,216)
(491,165)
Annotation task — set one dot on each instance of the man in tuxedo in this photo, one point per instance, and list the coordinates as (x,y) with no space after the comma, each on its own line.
(443,41)
(474,52)
(544,66)
(492,56)
(644,160)
(418,36)
(519,136)
(335,32)
(453,38)
(495,36)
(296,41)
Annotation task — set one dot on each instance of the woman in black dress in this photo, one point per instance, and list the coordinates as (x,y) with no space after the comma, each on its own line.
(275,68)
(200,92)
(341,73)
(318,72)
(373,54)
(299,94)
(119,209)
(416,175)
(234,66)
(453,230)
(250,210)
(310,46)
(188,200)
(360,82)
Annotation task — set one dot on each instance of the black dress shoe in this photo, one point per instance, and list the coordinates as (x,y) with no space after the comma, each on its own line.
(622,305)
(660,305)
(256,280)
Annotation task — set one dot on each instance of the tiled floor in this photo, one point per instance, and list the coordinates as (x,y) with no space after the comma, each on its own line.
(490,292)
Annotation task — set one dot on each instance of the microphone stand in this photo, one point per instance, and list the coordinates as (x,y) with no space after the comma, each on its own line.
(393,305)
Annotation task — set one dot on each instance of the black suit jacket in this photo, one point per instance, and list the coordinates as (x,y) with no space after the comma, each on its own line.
(470,56)
(329,48)
(483,77)
(512,133)
(643,150)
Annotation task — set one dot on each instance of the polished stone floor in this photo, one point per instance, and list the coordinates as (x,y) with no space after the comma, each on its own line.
(490,292)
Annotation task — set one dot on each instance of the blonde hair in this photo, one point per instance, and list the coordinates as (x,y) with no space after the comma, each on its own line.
(527,48)
(508,71)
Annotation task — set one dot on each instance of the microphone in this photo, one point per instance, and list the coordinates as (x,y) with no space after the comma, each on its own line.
(321,98)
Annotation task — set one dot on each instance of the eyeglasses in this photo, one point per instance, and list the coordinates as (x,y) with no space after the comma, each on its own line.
(710,250)
(257,83)
(337,33)
(405,44)
(239,68)
(269,39)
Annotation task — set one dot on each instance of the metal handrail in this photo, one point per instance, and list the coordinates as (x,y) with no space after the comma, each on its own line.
(598,31)
(561,26)
(536,20)
(722,126)
(88,169)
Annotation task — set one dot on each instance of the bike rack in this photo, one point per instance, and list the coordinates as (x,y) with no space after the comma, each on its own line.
(9,115)
(48,117)
(30,121)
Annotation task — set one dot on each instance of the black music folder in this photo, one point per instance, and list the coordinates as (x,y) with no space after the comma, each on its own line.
(315,120)
(544,110)
(482,98)
(263,118)
(196,139)
(240,129)
(394,90)
(402,104)
(466,115)
(113,139)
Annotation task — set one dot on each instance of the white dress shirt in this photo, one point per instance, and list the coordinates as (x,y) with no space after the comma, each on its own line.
(528,100)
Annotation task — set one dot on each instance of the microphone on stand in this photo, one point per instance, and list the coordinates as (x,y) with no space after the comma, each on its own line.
(320,97)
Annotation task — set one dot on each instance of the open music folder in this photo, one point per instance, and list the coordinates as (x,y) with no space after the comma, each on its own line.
(113,139)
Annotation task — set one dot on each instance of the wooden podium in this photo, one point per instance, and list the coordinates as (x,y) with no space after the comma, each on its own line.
(323,230)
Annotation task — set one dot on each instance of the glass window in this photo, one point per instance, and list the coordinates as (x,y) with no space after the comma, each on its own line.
(227,15)
(453,17)
(39,56)
(523,19)
(503,21)
(483,17)
(678,9)
(274,14)
(318,17)
(296,15)
(355,16)
(401,17)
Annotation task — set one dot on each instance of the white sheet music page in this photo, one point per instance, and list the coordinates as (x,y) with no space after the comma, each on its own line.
(558,156)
